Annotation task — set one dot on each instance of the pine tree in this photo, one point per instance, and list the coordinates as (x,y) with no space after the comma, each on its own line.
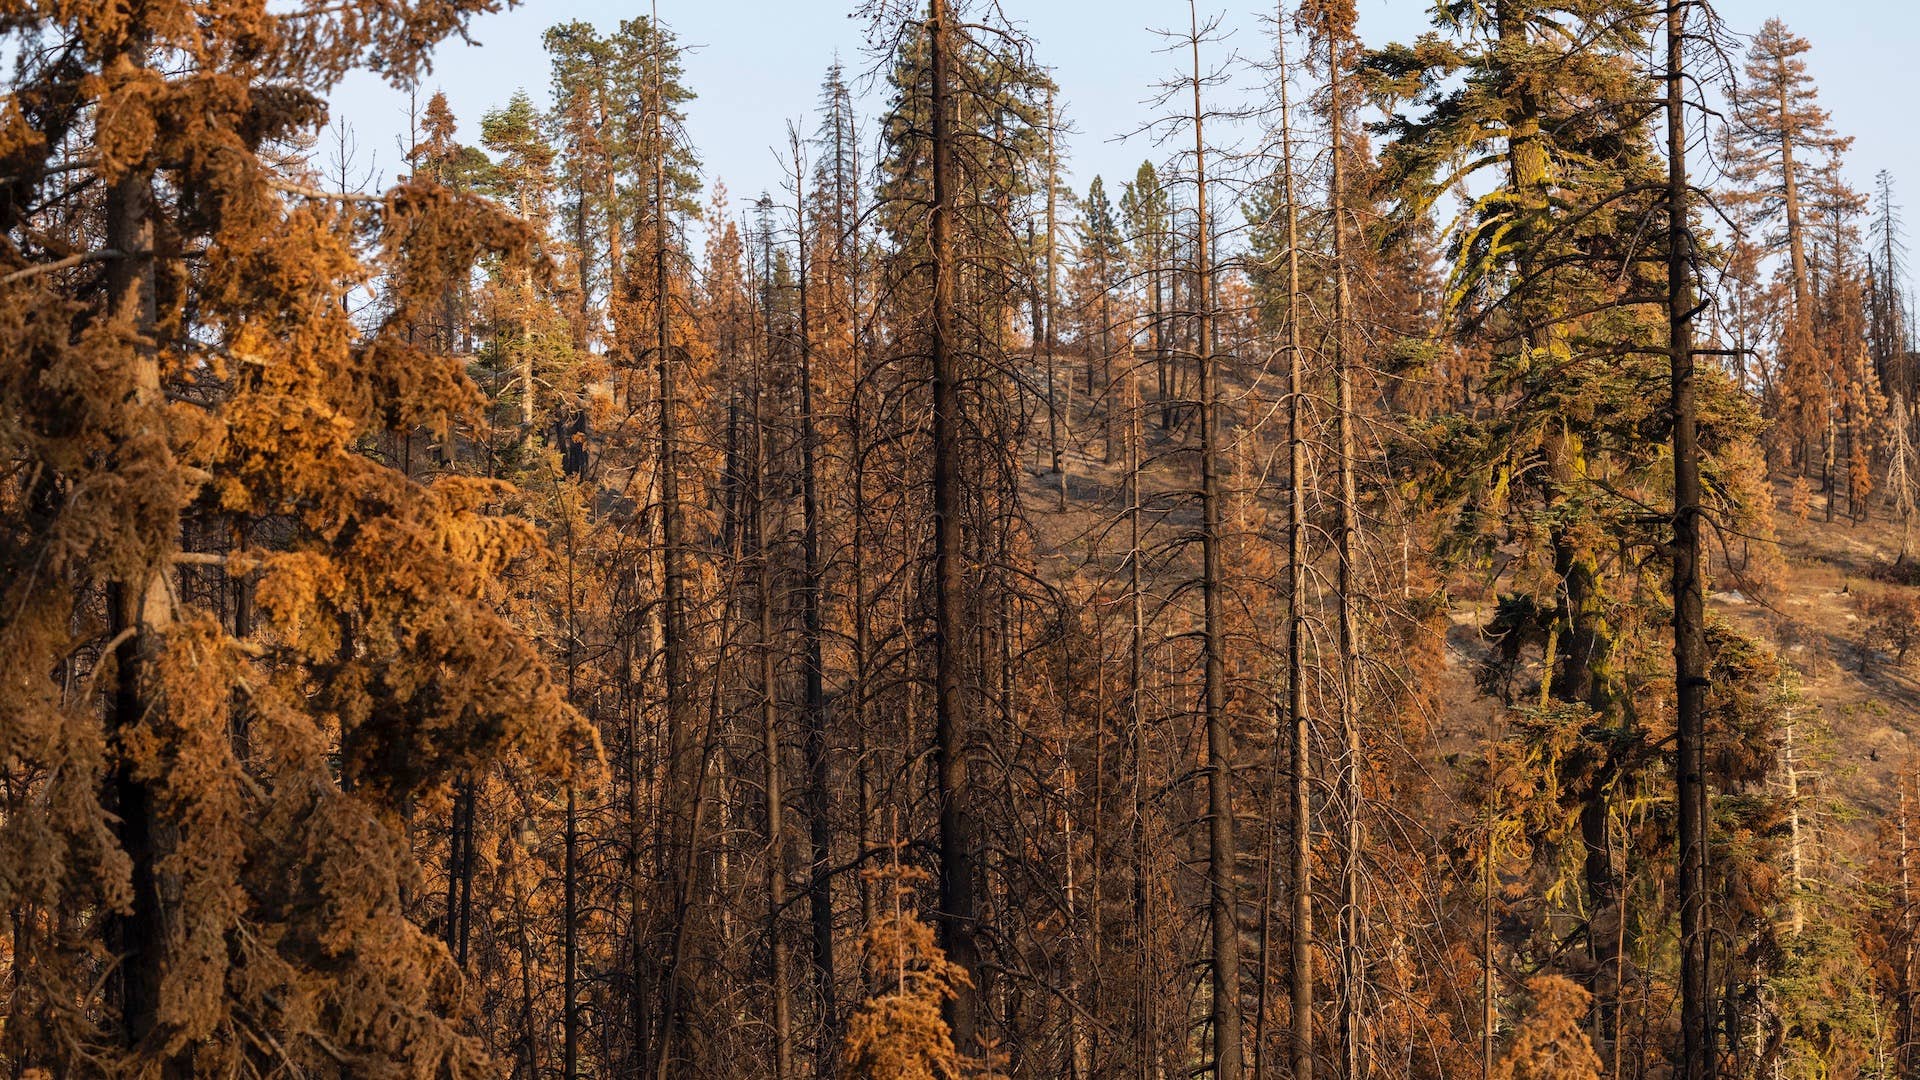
(1550,1043)
(1887,273)
(1778,138)
(232,818)
(966,119)
(1545,269)
(1223,853)
(1690,656)
(1100,260)
(1144,208)
(1780,133)
(900,1033)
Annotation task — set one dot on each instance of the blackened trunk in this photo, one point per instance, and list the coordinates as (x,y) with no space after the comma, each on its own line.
(1689,625)
(1222,852)
(952,705)
(819,779)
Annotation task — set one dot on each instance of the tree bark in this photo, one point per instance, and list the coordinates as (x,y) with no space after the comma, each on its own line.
(1689,625)
(1346,533)
(819,779)
(680,812)
(1145,1001)
(771,772)
(1222,852)
(1300,868)
(140,610)
(952,707)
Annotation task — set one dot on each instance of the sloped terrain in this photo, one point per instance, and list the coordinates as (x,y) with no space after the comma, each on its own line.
(1865,700)
(1806,590)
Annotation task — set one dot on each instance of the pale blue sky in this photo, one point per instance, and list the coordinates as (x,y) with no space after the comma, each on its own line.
(756,64)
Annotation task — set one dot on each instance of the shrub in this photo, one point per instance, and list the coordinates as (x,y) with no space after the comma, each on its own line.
(1890,623)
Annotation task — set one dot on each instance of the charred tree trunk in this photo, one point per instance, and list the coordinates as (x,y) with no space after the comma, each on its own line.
(1063,417)
(952,706)
(1147,1041)
(1222,853)
(140,610)
(771,772)
(570,869)
(1689,623)
(1346,536)
(819,778)
(680,809)
(1300,759)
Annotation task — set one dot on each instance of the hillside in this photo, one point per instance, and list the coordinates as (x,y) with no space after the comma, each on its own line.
(1811,611)
(1801,590)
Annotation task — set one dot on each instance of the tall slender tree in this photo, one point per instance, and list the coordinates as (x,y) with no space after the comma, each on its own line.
(1689,593)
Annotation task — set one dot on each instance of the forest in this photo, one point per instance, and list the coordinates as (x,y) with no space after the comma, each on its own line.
(1415,582)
